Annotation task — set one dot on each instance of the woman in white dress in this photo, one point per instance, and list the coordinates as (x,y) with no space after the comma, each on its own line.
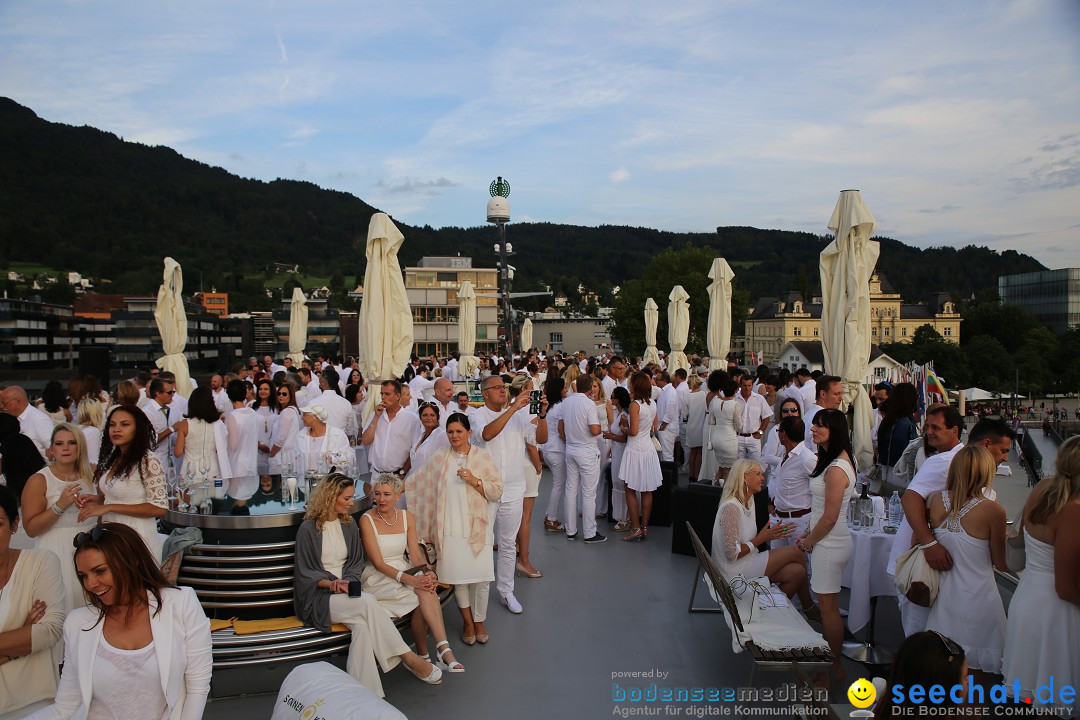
(49,510)
(130,479)
(616,435)
(694,421)
(319,446)
(829,542)
(968,608)
(266,407)
(1042,636)
(724,423)
(202,440)
(391,548)
(736,538)
(454,498)
(283,442)
(91,420)
(640,468)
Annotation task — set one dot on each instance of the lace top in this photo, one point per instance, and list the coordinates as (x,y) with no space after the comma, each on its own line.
(952,524)
(738,526)
(143,483)
(126,684)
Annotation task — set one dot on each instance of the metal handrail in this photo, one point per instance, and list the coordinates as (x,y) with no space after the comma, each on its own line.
(213,570)
(246,582)
(322,652)
(288,544)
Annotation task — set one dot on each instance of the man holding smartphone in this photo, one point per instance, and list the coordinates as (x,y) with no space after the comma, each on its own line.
(578,427)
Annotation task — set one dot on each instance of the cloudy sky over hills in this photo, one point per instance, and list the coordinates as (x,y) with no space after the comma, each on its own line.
(959,121)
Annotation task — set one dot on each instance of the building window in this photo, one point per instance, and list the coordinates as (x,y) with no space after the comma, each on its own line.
(886,332)
(816,331)
(797,332)
(873,331)
(879,372)
(555,337)
(903,332)
(948,332)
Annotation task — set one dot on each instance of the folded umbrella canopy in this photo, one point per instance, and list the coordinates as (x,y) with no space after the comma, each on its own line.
(526,335)
(298,323)
(678,318)
(386,327)
(172,324)
(846,266)
(652,318)
(719,330)
(467,362)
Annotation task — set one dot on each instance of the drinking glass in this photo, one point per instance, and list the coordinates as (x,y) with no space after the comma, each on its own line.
(869,523)
(290,483)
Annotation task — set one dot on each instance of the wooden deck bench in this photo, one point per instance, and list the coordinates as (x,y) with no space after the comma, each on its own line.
(795,661)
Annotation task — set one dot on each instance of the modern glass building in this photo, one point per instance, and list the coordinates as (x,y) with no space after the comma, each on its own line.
(1052,296)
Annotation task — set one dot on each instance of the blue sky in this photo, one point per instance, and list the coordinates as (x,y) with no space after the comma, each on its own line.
(959,121)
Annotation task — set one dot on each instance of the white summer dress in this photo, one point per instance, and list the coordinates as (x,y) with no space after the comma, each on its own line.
(396,599)
(723,428)
(58,538)
(640,468)
(832,552)
(968,608)
(145,483)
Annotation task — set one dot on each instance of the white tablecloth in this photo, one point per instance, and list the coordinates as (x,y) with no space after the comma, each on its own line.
(865,574)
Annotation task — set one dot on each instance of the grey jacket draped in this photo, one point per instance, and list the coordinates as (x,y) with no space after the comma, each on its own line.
(312,603)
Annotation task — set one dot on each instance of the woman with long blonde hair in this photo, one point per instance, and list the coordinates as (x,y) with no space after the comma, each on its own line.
(91,421)
(1042,638)
(968,608)
(49,509)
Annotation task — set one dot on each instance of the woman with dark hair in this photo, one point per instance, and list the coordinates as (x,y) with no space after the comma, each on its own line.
(283,442)
(267,408)
(924,659)
(829,542)
(616,434)
(554,449)
(895,433)
(201,440)
(142,648)
(773,452)
(54,402)
(640,468)
(329,557)
(130,479)
(21,458)
(454,497)
(723,423)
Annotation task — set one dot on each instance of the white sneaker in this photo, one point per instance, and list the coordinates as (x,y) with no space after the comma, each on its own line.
(512,604)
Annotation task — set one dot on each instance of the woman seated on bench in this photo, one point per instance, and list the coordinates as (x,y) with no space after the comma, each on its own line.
(328,559)
(736,537)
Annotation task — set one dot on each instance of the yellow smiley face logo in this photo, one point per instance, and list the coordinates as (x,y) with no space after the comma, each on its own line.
(862,693)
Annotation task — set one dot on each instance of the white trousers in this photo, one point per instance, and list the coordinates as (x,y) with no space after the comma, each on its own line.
(802,526)
(667,440)
(582,470)
(913,617)
(750,448)
(557,462)
(374,637)
(507,524)
(601,490)
(475,596)
(618,488)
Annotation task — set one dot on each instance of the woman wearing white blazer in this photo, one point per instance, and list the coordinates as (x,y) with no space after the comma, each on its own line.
(142,649)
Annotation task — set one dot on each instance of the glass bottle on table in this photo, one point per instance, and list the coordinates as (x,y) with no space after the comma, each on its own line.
(865,508)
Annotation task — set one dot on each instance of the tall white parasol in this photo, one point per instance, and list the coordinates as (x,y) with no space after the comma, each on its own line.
(386,327)
(678,318)
(172,324)
(298,324)
(652,318)
(719,329)
(526,335)
(846,266)
(467,362)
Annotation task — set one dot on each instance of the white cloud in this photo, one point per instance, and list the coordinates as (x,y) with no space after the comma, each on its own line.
(620,175)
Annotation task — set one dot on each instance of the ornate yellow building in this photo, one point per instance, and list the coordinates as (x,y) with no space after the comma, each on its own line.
(774,322)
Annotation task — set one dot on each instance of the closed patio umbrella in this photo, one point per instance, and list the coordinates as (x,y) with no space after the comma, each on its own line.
(678,318)
(719,330)
(298,318)
(846,266)
(652,318)
(467,362)
(386,326)
(526,335)
(172,324)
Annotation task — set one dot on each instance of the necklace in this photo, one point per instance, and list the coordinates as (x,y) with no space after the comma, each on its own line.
(388,523)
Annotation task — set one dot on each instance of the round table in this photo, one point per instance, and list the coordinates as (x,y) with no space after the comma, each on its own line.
(866,577)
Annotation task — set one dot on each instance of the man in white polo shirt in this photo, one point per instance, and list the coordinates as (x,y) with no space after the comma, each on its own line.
(502,433)
(667,412)
(789,484)
(756,415)
(578,427)
(444,398)
(389,433)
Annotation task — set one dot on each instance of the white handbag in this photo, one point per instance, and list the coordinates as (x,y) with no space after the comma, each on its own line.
(916,579)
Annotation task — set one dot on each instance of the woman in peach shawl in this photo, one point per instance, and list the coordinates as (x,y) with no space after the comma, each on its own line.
(454,497)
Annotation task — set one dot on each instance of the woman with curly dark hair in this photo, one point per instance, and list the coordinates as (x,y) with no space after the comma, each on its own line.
(267,408)
(54,402)
(130,479)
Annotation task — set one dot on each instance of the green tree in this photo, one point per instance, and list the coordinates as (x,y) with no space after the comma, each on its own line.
(990,364)
(1000,322)
(1033,360)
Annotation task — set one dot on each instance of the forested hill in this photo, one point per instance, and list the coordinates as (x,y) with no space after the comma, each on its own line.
(77,198)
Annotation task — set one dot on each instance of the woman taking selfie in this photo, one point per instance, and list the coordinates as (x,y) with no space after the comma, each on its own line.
(142,648)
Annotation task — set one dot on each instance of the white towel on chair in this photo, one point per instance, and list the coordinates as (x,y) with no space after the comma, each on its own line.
(770,628)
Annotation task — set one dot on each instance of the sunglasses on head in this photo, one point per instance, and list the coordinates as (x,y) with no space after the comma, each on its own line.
(94,535)
(951,647)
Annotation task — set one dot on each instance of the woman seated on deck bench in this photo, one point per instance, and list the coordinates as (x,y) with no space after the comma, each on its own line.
(736,538)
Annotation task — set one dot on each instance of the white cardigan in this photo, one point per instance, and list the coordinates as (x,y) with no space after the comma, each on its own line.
(181,634)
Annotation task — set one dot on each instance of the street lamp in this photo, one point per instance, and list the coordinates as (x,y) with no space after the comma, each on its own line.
(498,212)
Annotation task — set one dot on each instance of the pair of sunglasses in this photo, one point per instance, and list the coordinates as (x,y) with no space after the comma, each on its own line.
(93,535)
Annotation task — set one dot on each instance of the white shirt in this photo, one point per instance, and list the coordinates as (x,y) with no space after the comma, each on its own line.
(578,413)
(275,369)
(754,411)
(421,386)
(450,372)
(393,438)
(243,426)
(790,484)
(178,408)
(154,413)
(446,411)
(808,419)
(37,426)
(929,480)
(507,448)
(667,408)
(221,401)
(806,395)
(338,409)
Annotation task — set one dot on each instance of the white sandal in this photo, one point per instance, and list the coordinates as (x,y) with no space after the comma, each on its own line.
(453,666)
(433,678)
